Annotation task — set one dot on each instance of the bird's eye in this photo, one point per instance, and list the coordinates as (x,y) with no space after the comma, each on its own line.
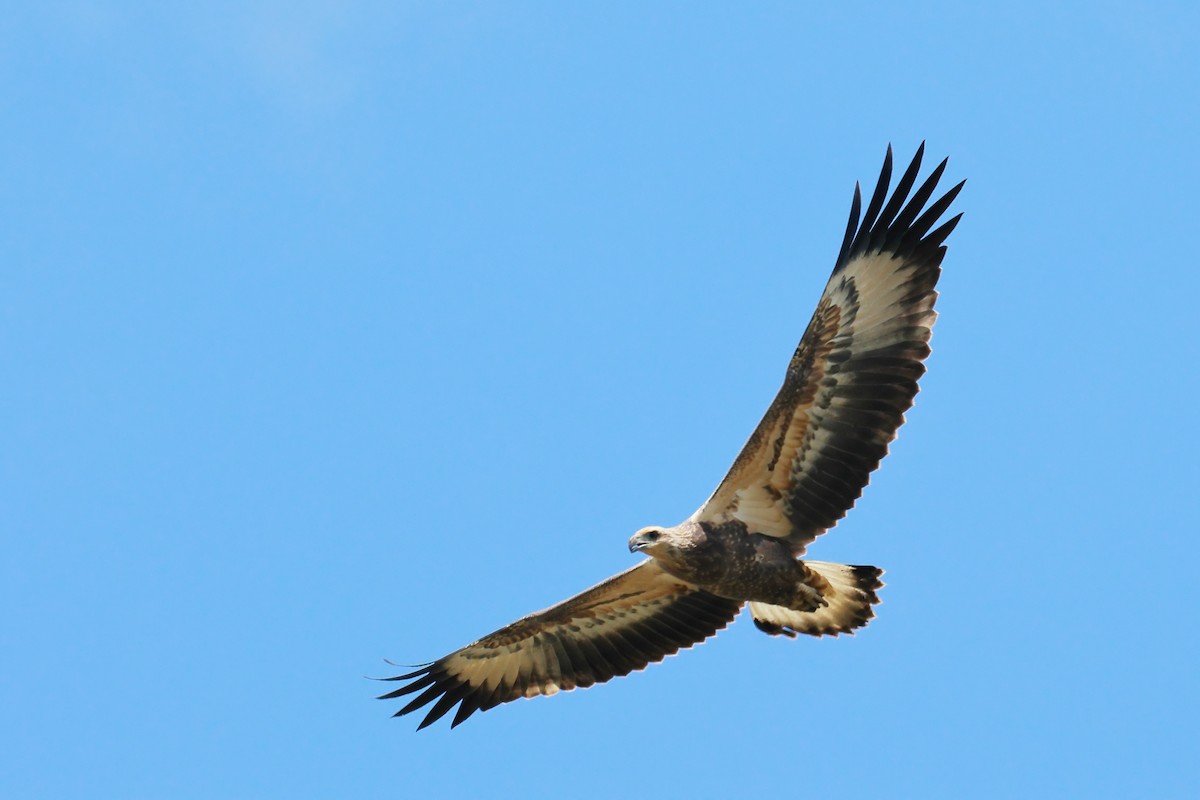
(652,536)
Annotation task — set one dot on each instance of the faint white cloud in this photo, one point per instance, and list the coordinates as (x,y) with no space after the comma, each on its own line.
(297,54)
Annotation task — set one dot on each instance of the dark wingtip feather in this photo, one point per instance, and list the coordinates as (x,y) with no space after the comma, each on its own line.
(423,679)
(423,698)
(903,187)
(905,219)
(877,198)
(421,669)
(445,703)
(945,230)
(900,226)
(469,706)
(852,225)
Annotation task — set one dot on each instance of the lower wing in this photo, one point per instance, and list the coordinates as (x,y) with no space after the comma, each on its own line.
(632,619)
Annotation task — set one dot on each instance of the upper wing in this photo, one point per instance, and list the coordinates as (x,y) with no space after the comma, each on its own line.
(853,375)
(614,628)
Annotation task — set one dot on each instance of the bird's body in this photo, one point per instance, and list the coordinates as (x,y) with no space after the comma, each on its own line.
(844,395)
(730,561)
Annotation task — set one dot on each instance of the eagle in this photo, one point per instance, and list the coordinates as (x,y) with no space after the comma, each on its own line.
(848,384)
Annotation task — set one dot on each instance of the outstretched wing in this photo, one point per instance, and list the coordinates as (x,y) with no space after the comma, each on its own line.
(630,620)
(854,373)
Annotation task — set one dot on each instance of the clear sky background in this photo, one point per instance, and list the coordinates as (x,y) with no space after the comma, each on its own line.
(335,332)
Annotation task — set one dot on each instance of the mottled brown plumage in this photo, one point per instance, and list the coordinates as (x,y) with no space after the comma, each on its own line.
(847,387)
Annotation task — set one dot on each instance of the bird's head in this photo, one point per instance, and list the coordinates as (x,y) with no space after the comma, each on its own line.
(647,540)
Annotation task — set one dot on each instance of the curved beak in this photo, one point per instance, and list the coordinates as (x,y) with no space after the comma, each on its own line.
(636,543)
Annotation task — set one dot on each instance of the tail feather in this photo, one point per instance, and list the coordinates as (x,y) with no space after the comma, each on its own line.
(849,593)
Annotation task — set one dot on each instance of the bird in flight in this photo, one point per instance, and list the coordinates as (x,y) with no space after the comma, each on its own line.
(851,379)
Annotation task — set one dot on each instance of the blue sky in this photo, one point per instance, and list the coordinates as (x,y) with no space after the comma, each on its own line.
(336,332)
